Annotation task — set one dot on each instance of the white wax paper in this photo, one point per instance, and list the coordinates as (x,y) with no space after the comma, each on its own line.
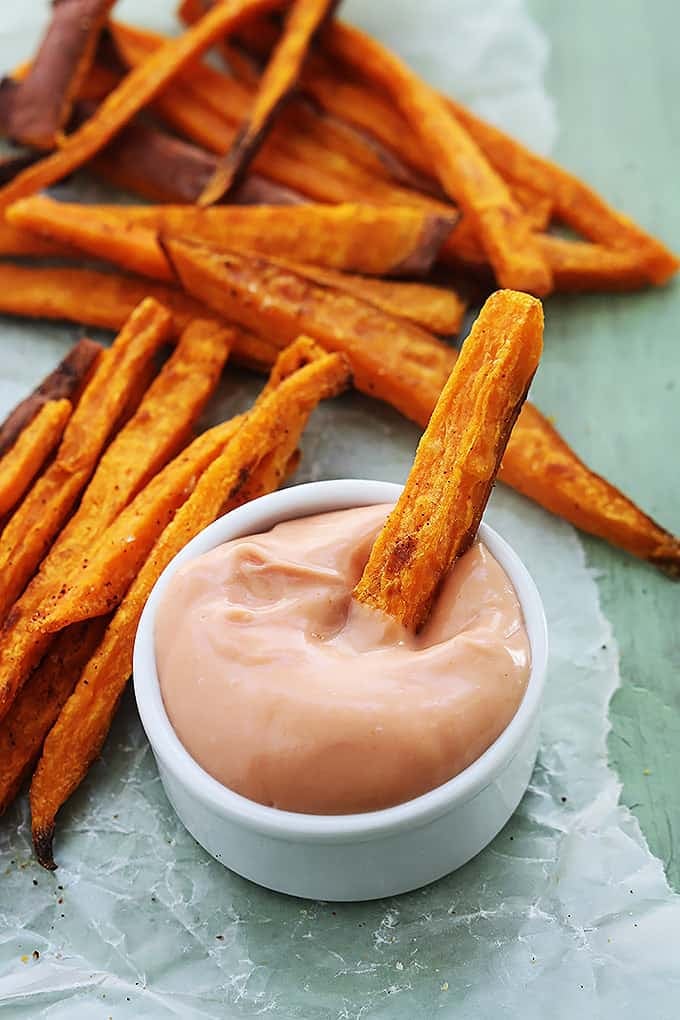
(566,914)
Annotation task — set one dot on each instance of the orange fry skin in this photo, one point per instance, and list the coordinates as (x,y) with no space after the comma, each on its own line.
(114,560)
(38,704)
(93,230)
(437,309)
(103,299)
(391,358)
(135,91)
(23,461)
(584,266)
(31,529)
(437,516)
(79,733)
(16,241)
(542,466)
(374,240)
(302,22)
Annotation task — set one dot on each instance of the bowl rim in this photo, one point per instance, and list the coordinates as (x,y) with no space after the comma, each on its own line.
(260,515)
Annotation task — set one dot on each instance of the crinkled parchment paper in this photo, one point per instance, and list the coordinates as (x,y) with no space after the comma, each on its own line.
(566,914)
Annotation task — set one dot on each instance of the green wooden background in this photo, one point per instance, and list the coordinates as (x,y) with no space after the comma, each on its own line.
(611,374)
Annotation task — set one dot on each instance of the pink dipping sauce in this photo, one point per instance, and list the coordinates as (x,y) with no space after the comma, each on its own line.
(294,696)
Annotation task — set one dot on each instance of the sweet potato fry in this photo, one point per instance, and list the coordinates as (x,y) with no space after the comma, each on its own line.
(542,466)
(538,208)
(65,382)
(376,240)
(41,104)
(22,462)
(106,300)
(462,168)
(437,516)
(142,447)
(15,241)
(31,529)
(583,266)
(99,582)
(135,91)
(353,237)
(39,702)
(77,737)
(94,230)
(302,22)
(437,309)
(391,358)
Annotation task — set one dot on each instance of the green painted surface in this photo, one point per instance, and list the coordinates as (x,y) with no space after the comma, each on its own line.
(611,375)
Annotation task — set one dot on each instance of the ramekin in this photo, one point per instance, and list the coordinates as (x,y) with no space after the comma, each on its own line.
(344,857)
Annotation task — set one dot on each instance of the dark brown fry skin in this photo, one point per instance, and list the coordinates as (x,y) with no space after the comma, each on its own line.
(66,381)
(41,103)
(303,21)
(154,164)
(147,161)
(25,459)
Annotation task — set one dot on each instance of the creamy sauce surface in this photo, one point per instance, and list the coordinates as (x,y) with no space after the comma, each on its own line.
(291,694)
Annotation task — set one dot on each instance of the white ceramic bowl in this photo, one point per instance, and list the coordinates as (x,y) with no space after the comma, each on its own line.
(344,857)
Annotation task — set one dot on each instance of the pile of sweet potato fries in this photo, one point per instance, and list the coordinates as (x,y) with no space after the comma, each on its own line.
(299,202)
